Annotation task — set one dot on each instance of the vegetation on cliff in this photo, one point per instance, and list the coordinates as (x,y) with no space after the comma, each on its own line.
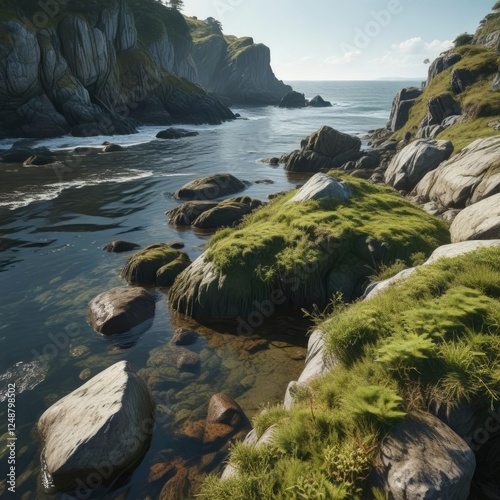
(430,338)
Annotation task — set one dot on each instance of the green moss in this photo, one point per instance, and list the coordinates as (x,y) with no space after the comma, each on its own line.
(200,30)
(294,246)
(239,46)
(432,337)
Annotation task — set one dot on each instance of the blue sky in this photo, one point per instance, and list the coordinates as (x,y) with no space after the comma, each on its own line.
(348,39)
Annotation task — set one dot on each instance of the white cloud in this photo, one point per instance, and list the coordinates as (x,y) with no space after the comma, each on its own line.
(346,58)
(417,45)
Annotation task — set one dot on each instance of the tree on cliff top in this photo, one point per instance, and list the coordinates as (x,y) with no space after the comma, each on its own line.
(176,4)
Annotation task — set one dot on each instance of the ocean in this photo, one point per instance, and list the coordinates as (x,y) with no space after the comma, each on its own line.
(54,223)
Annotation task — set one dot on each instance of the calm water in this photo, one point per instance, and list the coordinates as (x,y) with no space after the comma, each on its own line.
(54,222)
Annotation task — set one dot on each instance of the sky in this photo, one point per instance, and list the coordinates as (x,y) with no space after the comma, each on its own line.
(348,39)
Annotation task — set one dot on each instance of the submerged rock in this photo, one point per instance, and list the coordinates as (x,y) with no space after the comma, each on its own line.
(224,410)
(293,100)
(176,133)
(119,310)
(157,264)
(103,428)
(118,246)
(188,212)
(210,187)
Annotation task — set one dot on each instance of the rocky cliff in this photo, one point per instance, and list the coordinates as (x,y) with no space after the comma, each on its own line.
(89,68)
(235,68)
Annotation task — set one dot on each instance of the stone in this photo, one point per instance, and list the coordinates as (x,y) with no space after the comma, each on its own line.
(272,161)
(156,264)
(319,102)
(429,132)
(224,410)
(321,186)
(480,221)
(188,212)
(461,80)
(119,310)
(188,361)
(118,246)
(183,336)
(442,63)
(176,133)
(112,148)
(215,432)
(403,102)
(424,459)
(39,160)
(106,424)
(464,179)
(210,187)
(293,100)
(440,108)
(410,165)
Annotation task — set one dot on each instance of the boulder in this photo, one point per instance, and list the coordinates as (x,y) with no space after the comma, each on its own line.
(227,213)
(430,132)
(325,149)
(321,186)
(176,133)
(461,79)
(440,108)
(188,361)
(112,148)
(119,310)
(224,410)
(465,179)
(165,276)
(410,165)
(210,187)
(293,100)
(442,63)
(101,429)
(184,336)
(424,459)
(319,102)
(118,246)
(480,221)
(188,212)
(39,160)
(144,267)
(401,106)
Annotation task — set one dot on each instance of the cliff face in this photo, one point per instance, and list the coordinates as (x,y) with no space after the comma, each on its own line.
(235,68)
(90,68)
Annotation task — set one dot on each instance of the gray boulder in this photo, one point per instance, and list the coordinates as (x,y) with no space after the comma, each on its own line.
(119,310)
(321,186)
(410,165)
(401,106)
(442,63)
(319,102)
(102,429)
(480,221)
(210,187)
(429,132)
(440,108)
(188,212)
(424,459)
(325,149)
(461,79)
(176,133)
(465,179)
(118,246)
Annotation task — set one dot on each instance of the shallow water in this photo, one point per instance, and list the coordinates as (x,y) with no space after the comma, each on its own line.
(54,222)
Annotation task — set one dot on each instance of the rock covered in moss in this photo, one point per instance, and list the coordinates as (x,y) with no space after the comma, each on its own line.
(423,458)
(156,264)
(464,179)
(325,149)
(90,430)
(480,221)
(210,187)
(410,165)
(188,212)
(119,310)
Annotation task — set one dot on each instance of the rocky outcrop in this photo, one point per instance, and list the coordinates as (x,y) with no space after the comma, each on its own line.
(210,187)
(293,100)
(157,264)
(234,68)
(401,106)
(423,458)
(465,179)
(319,102)
(119,310)
(410,165)
(461,79)
(440,107)
(325,149)
(442,63)
(176,133)
(90,430)
(118,246)
(480,221)
(91,72)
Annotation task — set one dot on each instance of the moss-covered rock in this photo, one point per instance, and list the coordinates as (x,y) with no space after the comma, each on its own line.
(156,264)
(302,254)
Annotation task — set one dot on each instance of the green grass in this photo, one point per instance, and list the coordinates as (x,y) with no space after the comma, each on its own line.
(238,46)
(432,337)
(294,247)
(480,105)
